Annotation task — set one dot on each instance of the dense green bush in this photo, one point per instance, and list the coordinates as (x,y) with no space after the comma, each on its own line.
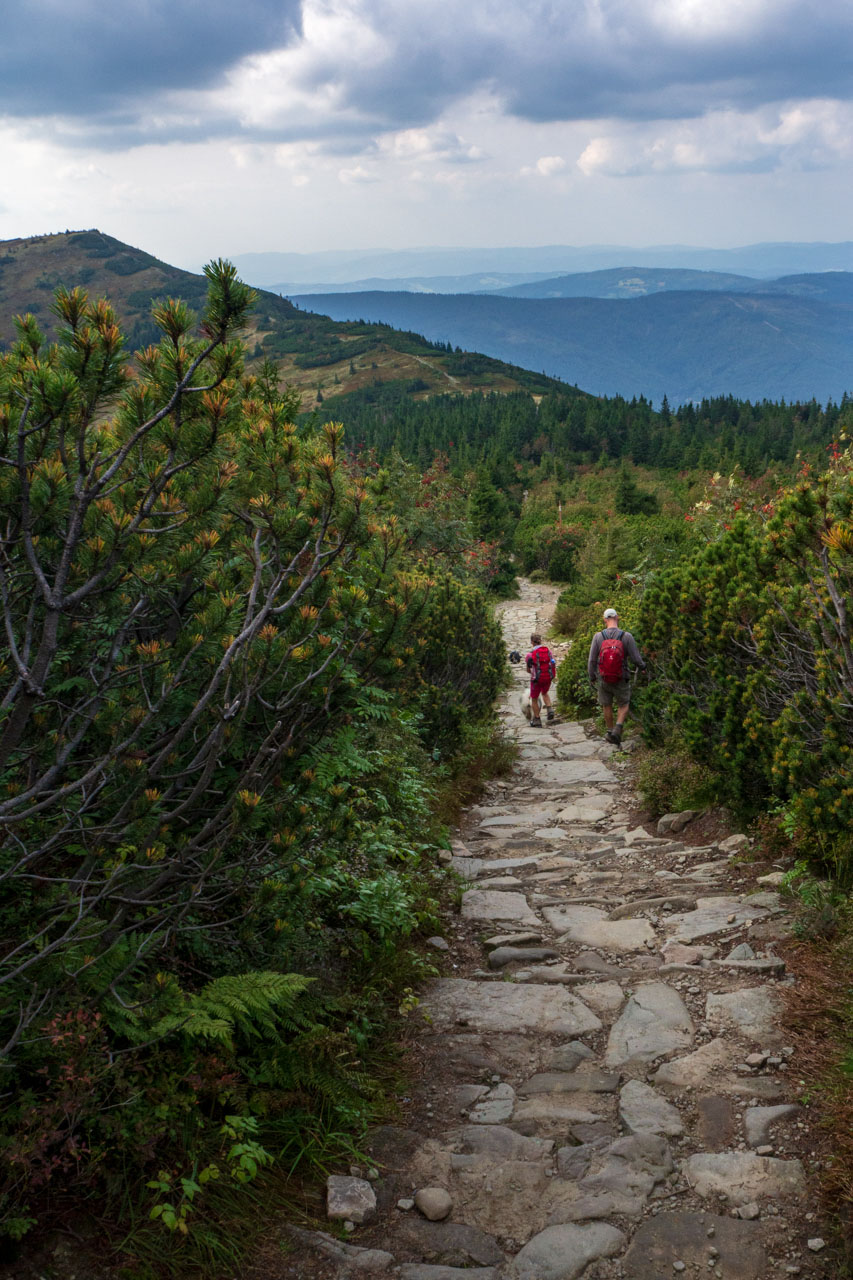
(670,780)
(543,544)
(228,676)
(752,657)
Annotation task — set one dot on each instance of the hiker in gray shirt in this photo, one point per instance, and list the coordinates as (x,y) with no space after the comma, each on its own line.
(609,655)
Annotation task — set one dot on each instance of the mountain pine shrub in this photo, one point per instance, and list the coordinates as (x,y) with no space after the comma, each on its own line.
(751,645)
(228,671)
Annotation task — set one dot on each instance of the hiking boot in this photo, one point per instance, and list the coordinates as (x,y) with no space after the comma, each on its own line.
(615,736)
(536,723)
(551,716)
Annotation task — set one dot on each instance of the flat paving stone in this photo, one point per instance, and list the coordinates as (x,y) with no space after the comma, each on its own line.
(550,1082)
(496,1107)
(753,1014)
(590,926)
(566,1057)
(688,1238)
(567,773)
(568,731)
(513,939)
(502,866)
(467,1094)
(742,1177)
(629,1168)
(604,997)
(592,962)
(552,1111)
(717,1128)
(564,1252)
(693,1070)
(503,1006)
(758,1121)
(643,1110)
(525,818)
(581,749)
(467,868)
(654,1022)
(602,1204)
(497,904)
(713,915)
(580,813)
(498,1140)
(502,956)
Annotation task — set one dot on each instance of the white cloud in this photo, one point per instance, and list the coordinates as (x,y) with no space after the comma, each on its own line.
(803,135)
(703,20)
(357,174)
(436,145)
(547,166)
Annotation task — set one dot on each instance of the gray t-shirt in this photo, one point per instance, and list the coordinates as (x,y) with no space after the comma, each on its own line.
(632,653)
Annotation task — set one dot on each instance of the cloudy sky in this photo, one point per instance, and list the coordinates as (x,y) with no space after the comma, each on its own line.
(194,128)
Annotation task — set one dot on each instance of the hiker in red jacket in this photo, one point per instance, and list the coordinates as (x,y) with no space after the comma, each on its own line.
(541,665)
(609,653)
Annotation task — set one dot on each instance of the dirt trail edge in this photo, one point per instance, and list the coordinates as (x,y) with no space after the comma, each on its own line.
(608,1092)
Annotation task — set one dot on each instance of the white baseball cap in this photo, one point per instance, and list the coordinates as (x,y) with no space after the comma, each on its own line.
(610,613)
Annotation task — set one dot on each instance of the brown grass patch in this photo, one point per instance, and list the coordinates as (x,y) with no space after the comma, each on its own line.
(819,1021)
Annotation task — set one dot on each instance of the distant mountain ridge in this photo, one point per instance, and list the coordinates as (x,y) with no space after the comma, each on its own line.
(338,267)
(793,340)
(629,282)
(476,282)
(638,282)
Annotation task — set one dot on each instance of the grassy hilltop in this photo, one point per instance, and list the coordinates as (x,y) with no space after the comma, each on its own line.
(315,354)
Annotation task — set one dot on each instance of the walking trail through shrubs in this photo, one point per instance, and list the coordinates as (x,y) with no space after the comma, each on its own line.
(607,1091)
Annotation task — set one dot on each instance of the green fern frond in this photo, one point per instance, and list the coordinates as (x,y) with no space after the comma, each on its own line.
(257,1005)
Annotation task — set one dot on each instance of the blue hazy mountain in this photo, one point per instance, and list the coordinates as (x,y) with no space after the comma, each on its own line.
(789,338)
(640,282)
(335,268)
(477,282)
(628,282)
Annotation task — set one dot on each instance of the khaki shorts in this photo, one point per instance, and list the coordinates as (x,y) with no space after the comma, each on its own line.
(620,693)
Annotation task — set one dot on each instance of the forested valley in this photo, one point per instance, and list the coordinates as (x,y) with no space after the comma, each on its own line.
(248,681)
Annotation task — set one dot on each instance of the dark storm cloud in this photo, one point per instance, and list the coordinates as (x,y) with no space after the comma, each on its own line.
(583,59)
(119,71)
(105,61)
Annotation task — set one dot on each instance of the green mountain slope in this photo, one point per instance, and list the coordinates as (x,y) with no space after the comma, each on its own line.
(686,345)
(319,355)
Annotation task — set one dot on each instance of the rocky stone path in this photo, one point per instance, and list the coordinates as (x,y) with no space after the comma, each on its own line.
(614,1096)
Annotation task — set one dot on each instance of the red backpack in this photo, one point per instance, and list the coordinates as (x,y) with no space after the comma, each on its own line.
(543,663)
(611,658)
